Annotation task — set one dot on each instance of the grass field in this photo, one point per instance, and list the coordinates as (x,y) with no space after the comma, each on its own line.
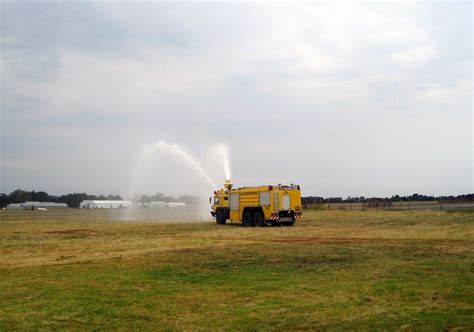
(83,270)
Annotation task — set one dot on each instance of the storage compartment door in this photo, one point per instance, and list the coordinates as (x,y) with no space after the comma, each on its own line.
(234,205)
(234,202)
(285,202)
(264,198)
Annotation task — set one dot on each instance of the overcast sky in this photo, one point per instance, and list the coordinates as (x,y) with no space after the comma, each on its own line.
(347,99)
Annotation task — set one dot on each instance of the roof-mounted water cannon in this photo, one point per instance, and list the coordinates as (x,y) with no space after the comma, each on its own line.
(228,184)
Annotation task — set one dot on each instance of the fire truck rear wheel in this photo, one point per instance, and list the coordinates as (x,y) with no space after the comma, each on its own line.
(220,217)
(258,219)
(247,219)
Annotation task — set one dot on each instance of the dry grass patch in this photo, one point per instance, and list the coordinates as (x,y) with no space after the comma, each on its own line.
(84,270)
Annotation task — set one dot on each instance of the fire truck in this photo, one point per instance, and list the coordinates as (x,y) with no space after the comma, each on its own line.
(257,206)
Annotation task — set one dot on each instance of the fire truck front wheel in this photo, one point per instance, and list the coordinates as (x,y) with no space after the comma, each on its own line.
(220,217)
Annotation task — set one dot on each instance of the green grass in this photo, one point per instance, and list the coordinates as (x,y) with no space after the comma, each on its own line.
(337,270)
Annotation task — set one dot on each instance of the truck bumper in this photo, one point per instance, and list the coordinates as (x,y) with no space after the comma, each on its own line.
(281,217)
(284,216)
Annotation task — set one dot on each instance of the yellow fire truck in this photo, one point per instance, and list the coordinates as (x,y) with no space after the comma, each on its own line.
(257,206)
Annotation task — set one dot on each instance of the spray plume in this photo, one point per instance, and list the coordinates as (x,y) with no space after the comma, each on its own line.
(185,157)
(167,168)
(224,151)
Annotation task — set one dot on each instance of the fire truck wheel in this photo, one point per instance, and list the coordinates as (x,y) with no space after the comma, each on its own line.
(247,219)
(258,219)
(220,217)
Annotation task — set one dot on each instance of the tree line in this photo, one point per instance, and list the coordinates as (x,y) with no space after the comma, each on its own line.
(395,198)
(73,200)
(188,199)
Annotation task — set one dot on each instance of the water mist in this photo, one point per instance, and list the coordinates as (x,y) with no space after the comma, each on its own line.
(167,168)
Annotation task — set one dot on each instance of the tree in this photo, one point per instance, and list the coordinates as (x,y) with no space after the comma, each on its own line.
(157,197)
(20,196)
(144,199)
(41,196)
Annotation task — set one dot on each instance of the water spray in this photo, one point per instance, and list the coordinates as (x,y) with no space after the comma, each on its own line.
(185,157)
(224,151)
(166,167)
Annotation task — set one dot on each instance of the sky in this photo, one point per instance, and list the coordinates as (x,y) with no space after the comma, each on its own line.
(345,99)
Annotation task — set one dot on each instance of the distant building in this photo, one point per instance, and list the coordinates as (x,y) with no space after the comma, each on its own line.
(157,204)
(36,205)
(141,205)
(95,204)
(175,204)
(162,204)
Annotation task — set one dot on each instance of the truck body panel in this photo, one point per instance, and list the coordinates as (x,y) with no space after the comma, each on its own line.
(274,204)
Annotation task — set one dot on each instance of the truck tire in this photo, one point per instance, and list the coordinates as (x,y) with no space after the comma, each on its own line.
(247,219)
(220,217)
(258,219)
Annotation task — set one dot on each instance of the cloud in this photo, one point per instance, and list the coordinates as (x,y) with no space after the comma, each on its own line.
(333,96)
(416,55)
(446,93)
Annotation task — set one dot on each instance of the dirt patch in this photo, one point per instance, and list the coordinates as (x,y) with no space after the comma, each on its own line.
(72,231)
(331,240)
(298,240)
